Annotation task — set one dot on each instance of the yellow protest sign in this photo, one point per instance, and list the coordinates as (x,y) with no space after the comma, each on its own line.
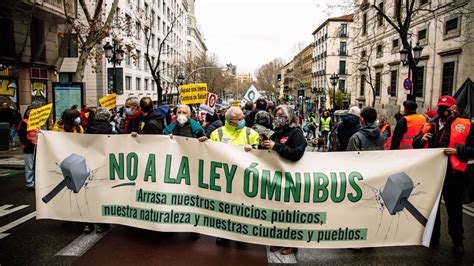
(39,116)
(236,103)
(109,101)
(193,93)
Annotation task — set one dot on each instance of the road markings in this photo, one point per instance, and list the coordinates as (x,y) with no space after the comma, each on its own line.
(81,244)
(9,226)
(5,211)
(276,257)
(469,211)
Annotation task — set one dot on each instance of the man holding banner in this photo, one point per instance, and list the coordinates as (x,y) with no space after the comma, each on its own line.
(457,136)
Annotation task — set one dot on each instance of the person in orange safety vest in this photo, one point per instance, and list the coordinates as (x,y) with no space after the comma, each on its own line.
(456,134)
(407,127)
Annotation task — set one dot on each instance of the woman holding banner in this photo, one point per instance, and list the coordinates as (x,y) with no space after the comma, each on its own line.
(289,142)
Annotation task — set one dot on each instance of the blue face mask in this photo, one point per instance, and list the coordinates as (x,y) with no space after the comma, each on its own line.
(128,111)
(241,124)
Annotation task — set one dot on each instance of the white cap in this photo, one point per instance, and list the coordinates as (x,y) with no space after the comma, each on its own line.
(354,110)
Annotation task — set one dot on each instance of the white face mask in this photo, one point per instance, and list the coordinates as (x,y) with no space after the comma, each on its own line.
(182,119)
(77,121)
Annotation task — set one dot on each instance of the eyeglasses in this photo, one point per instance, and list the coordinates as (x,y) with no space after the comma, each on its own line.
(236,120)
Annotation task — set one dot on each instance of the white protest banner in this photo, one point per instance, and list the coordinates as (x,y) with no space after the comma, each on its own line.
(252,94)
(206,109)
(325,200)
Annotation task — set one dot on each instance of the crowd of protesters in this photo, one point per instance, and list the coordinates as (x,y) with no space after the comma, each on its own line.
(265,126)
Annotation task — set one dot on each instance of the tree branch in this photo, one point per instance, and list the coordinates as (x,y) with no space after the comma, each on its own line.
(86,11)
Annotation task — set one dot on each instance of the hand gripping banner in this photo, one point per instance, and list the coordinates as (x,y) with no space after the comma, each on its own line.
(326,200)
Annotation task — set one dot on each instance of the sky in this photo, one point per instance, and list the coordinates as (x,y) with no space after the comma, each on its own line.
(250,33)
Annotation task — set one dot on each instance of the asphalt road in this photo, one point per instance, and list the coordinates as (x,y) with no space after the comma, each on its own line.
(27,241)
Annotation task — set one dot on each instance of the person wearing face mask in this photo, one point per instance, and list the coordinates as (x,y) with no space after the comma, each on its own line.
(70,122)
(234,132)
(184,126)
(152,121)
(407,127)
(133,115)
(457,136)
(289,142)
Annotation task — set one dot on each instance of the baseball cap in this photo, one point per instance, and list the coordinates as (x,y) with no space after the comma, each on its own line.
(446,100)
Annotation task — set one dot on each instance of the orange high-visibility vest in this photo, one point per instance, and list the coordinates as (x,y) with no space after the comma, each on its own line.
(414,124)
(388,141)
(31,135)
(459,132)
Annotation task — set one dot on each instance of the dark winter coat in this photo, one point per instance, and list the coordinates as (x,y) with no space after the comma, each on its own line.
(290,143)
(348,127)
(153,124)
(367,138)
(99,127)
(28,145)
(213,126)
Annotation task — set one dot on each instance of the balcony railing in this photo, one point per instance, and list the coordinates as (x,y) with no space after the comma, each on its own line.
(54,5)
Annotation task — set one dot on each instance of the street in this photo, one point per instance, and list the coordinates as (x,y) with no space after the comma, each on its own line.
(26,241)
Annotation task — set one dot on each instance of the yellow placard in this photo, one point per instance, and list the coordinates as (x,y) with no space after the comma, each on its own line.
(39,116)
(236,103)
(193,93)
(109,101)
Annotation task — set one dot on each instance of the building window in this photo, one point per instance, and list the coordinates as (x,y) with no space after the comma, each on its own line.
(343,30)
(343,48)
(423,2)
(128,58)
(342,68)
(364,23)
(448,78)
(363,53)
(66,77)
(128,82)
(137,84)
(137,30)
(418,82)
(422,36)
(152,40)
(129,25)
(71,49)
(379,51)
(395,44)
(451,25)
(138,59)
(393,83)
(146,84)
(342,85)
(145,64)
(362,85)
(146,10)
(379,16)
(378,80)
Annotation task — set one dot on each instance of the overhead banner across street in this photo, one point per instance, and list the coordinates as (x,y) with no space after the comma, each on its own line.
(336,200)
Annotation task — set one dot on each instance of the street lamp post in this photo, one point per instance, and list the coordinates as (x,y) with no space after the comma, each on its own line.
(114,55)
(334,80)
(407,57)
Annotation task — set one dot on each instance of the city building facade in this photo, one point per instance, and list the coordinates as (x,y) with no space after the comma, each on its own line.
(333,42)
(445,32)
(195,42)
(140,26)
(29,57)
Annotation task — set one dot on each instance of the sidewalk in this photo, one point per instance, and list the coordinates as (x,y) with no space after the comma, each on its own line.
(13,158)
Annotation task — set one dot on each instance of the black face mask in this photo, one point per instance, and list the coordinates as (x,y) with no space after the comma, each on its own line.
(444,112)
(147,108)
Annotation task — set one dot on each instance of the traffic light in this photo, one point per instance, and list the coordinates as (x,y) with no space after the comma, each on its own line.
(279,77)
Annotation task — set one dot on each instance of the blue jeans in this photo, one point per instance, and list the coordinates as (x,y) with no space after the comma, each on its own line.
(30,169)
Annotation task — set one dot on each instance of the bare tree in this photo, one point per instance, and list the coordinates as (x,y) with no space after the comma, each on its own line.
(266,75)
(90,29)
(166,48)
